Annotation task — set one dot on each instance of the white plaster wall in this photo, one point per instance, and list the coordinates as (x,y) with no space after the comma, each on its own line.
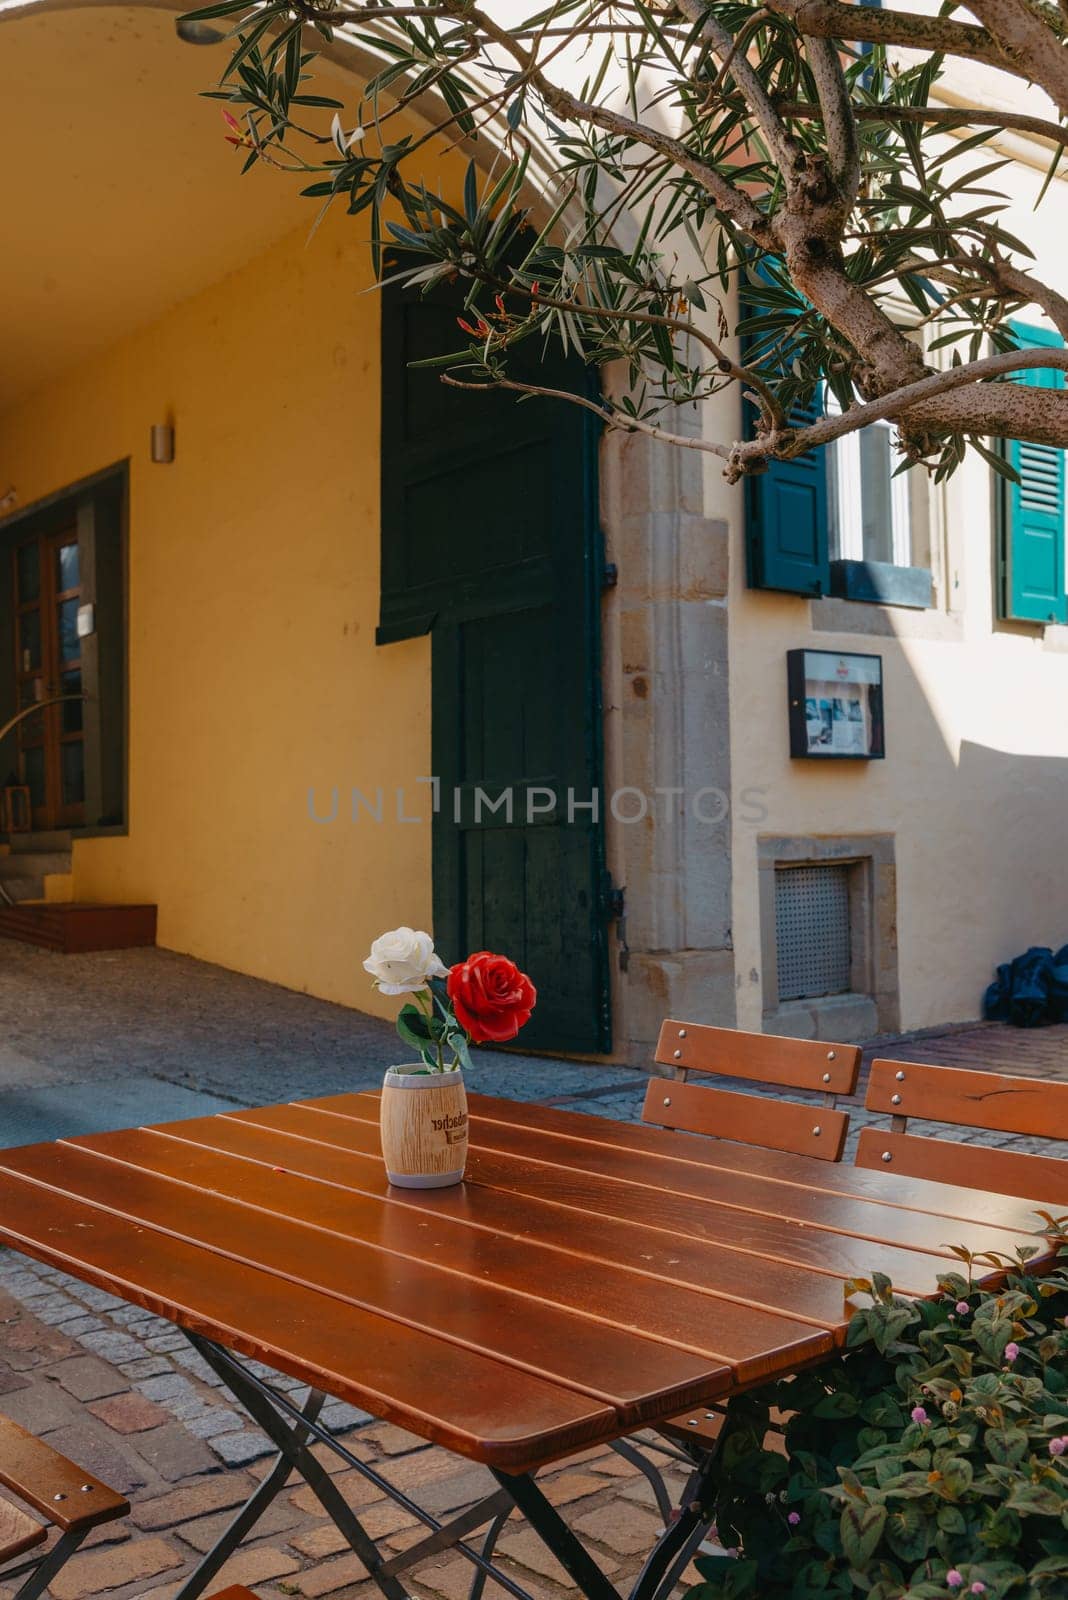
(975,781)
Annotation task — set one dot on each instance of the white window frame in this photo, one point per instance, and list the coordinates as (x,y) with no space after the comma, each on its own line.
(847,501)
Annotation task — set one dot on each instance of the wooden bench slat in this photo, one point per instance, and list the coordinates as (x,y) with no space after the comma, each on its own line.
(704,1425)
(18,1532)
(970,1099)
(66,1494)
(1011,1172)
(760,1057)
(746,1118)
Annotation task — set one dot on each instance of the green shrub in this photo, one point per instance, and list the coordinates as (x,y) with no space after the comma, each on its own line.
(930,1461)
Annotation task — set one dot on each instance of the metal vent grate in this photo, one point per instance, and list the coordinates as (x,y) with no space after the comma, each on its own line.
(812,930)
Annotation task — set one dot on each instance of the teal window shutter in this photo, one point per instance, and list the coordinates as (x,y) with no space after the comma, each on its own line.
(786,517)
(1031,512)
(786,510)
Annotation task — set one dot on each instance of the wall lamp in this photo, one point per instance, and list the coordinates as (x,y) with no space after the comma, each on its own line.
(162,443)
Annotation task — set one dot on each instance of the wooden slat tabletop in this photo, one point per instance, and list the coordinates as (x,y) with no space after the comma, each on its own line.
(589,1276)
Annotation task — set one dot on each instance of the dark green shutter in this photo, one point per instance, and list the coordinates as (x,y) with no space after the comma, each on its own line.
(786,519)
(786,510)
(1032,520)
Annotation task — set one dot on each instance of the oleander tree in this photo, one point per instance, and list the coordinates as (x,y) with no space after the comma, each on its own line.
(798,149)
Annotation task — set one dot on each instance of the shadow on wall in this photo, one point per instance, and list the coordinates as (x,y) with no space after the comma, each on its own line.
(993,830)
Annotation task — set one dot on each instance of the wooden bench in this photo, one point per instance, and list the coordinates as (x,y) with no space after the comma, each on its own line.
(992,1101)
(827,1069)
(70,1500)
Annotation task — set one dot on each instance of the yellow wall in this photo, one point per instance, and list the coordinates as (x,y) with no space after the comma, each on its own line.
(253,568)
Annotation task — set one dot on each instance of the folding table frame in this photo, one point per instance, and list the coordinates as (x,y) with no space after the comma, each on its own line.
(293,1430)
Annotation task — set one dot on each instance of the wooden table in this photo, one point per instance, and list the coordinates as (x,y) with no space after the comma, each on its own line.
(590,1278)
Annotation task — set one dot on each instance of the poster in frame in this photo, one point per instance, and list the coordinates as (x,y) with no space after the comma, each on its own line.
(835,705)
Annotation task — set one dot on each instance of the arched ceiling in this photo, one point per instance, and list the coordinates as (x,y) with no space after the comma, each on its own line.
(118,194)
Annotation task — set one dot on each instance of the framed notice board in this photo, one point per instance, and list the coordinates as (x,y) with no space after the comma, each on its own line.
(835,705)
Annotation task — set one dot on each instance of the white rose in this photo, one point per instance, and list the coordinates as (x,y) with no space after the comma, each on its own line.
(404,961)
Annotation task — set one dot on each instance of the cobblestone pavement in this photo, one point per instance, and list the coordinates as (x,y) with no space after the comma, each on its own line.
(100,1041)
(114,1389)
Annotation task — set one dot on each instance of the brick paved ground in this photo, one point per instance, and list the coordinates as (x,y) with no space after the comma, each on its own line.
(153,1426)
(99,1041)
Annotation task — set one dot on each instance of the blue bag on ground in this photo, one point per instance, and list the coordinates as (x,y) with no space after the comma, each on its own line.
(1058,986)
(1031,990)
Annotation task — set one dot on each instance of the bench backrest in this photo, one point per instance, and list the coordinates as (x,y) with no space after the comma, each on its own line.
(827,1069)
(992,1101)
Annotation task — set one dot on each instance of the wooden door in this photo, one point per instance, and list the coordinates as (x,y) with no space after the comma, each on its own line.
(491,542)
(47,588)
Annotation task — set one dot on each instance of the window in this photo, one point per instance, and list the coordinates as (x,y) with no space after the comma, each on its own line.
(871,515)
(812,931)
(837,520)
(878,535)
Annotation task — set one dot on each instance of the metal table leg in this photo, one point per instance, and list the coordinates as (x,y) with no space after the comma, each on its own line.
(666,1561)
(291,1428)
(251,1512)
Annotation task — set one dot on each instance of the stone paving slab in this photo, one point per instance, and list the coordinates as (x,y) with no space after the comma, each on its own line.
(102,1041)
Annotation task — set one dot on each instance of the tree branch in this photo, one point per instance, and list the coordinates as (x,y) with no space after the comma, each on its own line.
(942,116)
(1029,43)
(731,201)
(839,126)
(920,404)
(782,146)
(650,319)
(618,420)
(1041,414)
(840,19)
(1003,279)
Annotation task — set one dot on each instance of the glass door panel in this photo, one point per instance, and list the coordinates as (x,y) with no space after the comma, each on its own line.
(48,664)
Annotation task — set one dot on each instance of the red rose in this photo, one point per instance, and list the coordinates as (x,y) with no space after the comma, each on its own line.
(491,997)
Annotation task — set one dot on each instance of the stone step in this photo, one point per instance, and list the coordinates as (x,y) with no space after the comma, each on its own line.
(24,864)
(34,843)
(20,889)
(74,928)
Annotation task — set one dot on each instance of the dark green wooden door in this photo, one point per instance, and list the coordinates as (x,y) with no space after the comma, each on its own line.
(490,540)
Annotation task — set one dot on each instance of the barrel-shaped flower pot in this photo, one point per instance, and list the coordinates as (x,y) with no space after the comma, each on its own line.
(424,1127)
